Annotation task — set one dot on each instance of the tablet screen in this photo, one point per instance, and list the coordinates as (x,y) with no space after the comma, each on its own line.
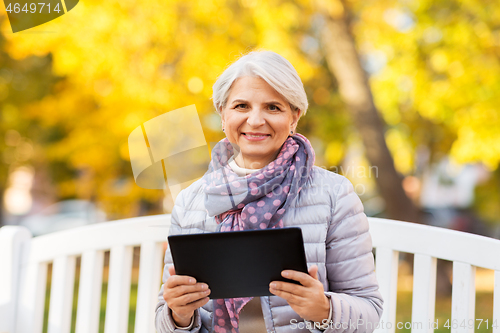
(239,263)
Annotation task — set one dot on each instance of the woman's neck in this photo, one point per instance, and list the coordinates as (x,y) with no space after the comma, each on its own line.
(240,171)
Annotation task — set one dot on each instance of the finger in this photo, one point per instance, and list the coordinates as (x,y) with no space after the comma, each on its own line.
(191,297)
(304,279)
(182,290)
(178,280)
(291,288)
(187,310)
(171,270)
(200,302)
(289,297)
(313,272)
(194,305)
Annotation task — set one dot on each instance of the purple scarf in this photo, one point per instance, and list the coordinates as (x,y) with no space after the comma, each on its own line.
(255,201)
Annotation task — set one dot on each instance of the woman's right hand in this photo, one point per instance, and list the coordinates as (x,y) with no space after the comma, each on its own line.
(183,296)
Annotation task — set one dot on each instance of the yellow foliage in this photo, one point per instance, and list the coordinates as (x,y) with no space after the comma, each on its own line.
(439,60)
(121,64)
(400,149)
(334,153)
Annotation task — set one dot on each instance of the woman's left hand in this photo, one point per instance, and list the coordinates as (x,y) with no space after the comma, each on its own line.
(308,299)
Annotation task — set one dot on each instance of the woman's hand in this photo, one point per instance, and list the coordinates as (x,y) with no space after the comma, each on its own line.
(307,299)
(183,296)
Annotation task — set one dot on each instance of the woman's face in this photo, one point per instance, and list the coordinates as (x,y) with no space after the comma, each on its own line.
(258,120)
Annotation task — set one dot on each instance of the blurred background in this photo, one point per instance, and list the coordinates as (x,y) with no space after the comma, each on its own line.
(404,98)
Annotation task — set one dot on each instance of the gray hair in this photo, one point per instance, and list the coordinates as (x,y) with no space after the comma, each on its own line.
(269,66)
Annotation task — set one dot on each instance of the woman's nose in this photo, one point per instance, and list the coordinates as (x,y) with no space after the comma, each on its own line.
(256,118)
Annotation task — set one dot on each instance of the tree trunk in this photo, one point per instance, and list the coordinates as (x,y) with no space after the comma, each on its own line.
(344,63)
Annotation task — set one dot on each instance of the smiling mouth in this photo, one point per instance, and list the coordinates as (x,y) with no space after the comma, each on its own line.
(255,136)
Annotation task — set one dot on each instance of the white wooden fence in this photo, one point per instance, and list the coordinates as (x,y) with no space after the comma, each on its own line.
(24,261)
(467,251)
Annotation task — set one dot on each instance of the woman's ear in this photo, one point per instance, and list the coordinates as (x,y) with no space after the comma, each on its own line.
(295,117)
(223,122)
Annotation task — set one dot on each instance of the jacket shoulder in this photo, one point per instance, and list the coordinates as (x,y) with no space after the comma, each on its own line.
(329,188)
(326,178)
(325,185)
(193,192)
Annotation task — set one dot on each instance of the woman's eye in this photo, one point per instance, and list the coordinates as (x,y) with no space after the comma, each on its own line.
(240,106)
(274,108)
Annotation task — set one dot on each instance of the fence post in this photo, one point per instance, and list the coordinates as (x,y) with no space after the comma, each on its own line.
(12,241)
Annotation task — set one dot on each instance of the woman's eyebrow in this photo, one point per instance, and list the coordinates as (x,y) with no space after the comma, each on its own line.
(239,101)
(274,103)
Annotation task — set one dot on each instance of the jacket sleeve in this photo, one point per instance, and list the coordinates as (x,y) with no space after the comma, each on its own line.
(163,320)
(352,284)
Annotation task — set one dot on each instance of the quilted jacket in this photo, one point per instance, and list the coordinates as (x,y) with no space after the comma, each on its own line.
(336,239)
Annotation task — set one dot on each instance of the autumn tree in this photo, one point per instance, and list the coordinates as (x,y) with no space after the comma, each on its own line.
(433,80)
(344,62)
(22,82)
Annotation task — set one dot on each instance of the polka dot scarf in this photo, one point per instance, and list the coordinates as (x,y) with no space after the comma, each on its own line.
(255,201)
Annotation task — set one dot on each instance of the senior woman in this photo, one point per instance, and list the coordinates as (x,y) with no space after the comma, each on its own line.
(273,183)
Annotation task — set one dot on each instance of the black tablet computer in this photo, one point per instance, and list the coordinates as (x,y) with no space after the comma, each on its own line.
(239,263)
